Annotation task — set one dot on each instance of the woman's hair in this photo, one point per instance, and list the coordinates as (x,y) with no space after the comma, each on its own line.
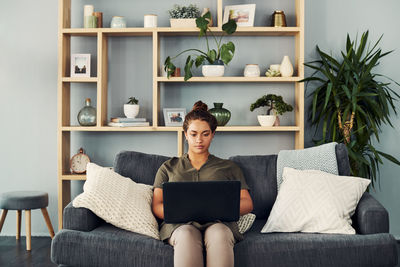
(200,112)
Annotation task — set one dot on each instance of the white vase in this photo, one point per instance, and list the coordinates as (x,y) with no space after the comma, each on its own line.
(131,111)
(286,67)
(266,120)
(213,70)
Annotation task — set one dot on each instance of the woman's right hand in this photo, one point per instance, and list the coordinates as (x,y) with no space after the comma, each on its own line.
(157,204)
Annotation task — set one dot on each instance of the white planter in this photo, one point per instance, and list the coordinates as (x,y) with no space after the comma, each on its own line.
(266,120)
(286,67)
(183,23)
(131,111)
(213,70)
(251,70)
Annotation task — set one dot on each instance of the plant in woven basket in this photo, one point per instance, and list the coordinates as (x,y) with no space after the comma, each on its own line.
(351,103)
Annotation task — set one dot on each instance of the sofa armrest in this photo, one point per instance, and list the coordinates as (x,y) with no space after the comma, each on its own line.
(79,219)
(370,216)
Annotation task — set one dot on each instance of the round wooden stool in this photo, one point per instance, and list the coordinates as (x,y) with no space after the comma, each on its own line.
(25,200)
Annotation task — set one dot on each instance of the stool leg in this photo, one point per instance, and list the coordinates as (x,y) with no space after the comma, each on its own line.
(28,229)
(3,217)
(18,224)
(48,222)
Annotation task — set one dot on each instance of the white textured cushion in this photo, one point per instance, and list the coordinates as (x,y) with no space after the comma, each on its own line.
(245,222)
(315,202)
(118,200)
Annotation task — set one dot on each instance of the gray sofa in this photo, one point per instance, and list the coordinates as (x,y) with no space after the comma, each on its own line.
(86,240)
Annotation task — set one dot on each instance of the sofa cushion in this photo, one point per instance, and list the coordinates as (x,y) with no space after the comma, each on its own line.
(314,201)
(306,249)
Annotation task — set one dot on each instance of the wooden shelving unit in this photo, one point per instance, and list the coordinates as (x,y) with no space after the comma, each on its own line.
(65,128)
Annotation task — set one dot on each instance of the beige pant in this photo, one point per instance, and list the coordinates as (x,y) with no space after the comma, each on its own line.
(188,246)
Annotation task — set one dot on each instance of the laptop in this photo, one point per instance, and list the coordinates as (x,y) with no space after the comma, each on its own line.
(202,202)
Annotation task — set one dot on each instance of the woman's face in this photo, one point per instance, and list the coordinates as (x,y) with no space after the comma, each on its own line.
(199,136)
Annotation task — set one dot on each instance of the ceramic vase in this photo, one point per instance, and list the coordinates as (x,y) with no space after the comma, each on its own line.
(252,70)
(131,111)
(221,114)
(87,115)
(118,22)
(286,67)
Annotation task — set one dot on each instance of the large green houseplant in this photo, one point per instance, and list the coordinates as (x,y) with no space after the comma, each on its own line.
(351,103)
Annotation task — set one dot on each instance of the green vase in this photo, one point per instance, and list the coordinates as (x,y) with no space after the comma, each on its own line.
(221,114)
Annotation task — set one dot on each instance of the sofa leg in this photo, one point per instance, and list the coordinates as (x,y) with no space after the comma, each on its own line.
(18,224)
(28,229)
(48,222)
(3,218)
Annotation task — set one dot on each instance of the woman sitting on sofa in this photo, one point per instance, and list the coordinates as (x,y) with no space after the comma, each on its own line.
(187,239)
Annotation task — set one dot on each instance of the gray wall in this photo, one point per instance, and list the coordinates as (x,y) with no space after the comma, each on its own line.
(28,86)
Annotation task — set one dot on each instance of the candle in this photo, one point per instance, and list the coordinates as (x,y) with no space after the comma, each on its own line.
(88,10)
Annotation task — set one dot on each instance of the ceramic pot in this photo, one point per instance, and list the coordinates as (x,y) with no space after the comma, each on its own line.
(215,70)
(131,111)
(266,120)
(118,22)
(87,115)
(221,114)
(286,67)
(183,23)
(252,70)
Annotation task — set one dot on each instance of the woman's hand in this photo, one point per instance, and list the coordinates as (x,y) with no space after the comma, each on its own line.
(246,203)
(157,204)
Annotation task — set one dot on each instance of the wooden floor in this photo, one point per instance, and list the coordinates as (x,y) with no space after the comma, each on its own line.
(13,252)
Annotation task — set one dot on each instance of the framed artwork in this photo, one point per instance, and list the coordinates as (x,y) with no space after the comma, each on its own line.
(242,14)
(80,65)
(174,116)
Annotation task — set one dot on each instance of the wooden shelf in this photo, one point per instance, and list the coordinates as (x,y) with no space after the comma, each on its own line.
(231,79)
(250,128)
(80,80)
(75,177)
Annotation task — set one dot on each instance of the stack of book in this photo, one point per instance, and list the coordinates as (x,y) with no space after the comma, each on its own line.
(128,122)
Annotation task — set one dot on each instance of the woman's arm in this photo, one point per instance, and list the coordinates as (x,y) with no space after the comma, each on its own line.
(246,203)
(157,204)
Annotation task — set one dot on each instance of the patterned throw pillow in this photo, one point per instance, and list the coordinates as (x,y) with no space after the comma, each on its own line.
(245,222)
(118,200)
(315,202)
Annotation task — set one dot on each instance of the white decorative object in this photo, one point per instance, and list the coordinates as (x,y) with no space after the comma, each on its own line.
(131,111)
(245,222)
(150,21)
(118,200)
(314,201)
(266,120)
(183,23)
(275,67)
(251,70)
(80,65)
(286,68)
(88,10)
(118,22)
(213,70)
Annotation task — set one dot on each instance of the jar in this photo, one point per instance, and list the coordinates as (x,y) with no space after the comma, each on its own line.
(150,21)
(252,70)
(118,22)
(87,115)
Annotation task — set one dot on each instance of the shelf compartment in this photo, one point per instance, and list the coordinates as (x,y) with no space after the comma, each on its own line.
(240,31)
(80,80)
(230,79)
(128,31)
(258,129)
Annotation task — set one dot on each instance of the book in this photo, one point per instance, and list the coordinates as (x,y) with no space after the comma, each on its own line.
(119,119)
(129,124)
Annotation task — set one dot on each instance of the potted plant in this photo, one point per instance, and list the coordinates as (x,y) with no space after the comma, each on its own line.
(275,103)
(218,57)
(131,109)
(183,16)
(352,103)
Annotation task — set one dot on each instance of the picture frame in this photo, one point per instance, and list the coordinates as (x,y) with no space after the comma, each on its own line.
(80,65)
(242,14)
(174,116)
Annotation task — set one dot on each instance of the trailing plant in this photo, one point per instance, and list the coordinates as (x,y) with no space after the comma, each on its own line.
(351,104)
(184,12)
(274,102)
(133,101)
(223,52)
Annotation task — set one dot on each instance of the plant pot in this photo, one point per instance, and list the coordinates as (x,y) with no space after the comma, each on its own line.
(213,70)
(221,114)
(266,120)
(131,111)
(183,23)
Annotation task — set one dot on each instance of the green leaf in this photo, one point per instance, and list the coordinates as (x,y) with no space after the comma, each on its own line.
(169,67)
(229,27)
(188,68)
(389,157)
(202,24)
(212,55)
(227,52)
(328,95)
(199,60)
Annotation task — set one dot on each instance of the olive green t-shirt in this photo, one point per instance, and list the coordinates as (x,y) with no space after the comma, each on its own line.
(214,169)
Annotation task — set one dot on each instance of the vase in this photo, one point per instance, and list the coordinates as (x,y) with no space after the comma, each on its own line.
(286,67)
(266,120)
(251,70)
(213,70)
(118,22)
(87,115)
(221,114)
(131,110)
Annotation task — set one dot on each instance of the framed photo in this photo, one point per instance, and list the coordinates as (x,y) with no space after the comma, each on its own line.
(80,65)
(174,116)
(242,14)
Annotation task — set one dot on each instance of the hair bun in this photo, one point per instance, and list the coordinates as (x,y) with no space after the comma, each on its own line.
(199,105)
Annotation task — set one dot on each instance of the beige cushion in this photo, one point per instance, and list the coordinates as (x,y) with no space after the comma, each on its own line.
(245,222)
(118,200)
(315,202)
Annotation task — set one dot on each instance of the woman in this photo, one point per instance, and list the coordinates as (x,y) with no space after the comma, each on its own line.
(199,165)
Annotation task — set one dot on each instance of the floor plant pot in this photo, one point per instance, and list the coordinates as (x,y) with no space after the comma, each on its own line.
(214,70)
(131,111)
(183,23)
(266,120)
